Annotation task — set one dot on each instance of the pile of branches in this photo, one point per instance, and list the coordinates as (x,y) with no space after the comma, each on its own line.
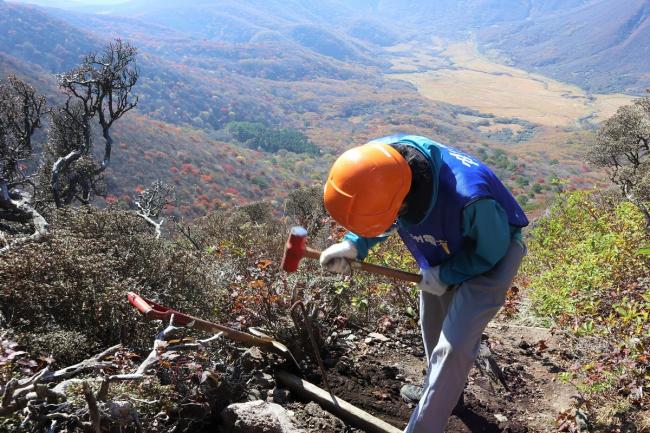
(185,388)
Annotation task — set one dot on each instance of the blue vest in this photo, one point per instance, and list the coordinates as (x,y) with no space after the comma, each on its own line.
(462,180)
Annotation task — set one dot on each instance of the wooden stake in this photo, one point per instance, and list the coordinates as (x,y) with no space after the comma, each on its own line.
(342,409)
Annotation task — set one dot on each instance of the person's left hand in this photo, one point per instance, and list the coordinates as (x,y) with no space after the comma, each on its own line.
(431,282)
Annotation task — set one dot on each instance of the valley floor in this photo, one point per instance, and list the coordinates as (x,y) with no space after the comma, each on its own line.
(457,73)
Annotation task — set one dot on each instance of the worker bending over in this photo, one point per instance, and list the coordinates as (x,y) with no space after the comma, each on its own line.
(462,226)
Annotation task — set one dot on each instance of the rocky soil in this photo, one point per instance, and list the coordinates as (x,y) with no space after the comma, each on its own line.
(366,369)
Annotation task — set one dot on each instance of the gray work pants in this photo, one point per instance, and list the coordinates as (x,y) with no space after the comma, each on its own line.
(452,325)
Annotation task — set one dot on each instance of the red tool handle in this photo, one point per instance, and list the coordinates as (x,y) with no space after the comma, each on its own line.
(154,311)
(138,302)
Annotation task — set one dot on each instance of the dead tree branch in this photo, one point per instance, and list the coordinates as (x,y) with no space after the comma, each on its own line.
(35,394)
(22,206)
(186,231)
(152,201)
(93,409)
(21,110)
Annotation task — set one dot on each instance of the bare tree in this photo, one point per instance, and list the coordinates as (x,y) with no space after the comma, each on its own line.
(152,201)
(305,207)
(21,110)
(100,89)
(622,147)
(71,166)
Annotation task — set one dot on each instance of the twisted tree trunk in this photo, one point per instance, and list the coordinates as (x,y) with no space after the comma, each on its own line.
(61,164)
(20,209)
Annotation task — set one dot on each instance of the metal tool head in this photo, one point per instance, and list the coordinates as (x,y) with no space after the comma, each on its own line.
(295,248)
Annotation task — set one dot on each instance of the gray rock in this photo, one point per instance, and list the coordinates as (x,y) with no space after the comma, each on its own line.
(252,358)
(378,336)
(280,395)
(263,380)
(258,417)
(123,412)
(253,395)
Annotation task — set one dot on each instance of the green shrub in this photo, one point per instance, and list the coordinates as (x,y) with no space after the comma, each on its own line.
(581,254)
(523,199)
(585,275)
(259,136)
(75,283)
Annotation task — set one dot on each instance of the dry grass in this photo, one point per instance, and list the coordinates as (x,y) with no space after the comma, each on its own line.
(495,127)
(606,105)
(556,143)
(456,73)
(644,422)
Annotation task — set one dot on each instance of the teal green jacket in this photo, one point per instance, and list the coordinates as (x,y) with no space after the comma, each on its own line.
(486,223)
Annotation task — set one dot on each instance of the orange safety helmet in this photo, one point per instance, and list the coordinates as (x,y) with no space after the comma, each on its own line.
(366,187)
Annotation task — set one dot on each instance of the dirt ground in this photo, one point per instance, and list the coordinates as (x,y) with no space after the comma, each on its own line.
(369,373)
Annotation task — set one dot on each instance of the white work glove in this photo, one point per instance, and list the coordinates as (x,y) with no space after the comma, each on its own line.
(431,281)
(334,258)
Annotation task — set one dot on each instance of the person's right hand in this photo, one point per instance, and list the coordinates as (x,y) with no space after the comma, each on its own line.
(334,258)
(431,282)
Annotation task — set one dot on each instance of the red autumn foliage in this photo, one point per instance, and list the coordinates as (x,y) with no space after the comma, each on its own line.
(190,169)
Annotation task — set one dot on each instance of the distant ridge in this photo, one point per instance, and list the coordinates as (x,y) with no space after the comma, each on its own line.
(602,45)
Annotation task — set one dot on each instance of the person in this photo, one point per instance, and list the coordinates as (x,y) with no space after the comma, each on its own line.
(462,226)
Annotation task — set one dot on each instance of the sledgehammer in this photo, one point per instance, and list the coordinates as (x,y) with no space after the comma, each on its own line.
(297,248)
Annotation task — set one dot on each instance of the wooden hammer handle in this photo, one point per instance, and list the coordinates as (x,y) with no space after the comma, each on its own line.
(374,269)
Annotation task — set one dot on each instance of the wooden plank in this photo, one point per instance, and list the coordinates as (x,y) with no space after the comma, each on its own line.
(342,409)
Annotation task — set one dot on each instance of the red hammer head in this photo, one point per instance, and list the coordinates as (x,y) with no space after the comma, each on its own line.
(295,249)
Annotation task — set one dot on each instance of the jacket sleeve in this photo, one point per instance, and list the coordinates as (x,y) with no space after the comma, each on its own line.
(486,224)
(362,244)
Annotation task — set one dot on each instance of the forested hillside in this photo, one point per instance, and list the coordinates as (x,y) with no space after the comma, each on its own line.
(191,90)
(295,72)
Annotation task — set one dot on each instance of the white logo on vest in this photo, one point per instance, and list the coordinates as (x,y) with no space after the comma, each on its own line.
(466,160)
(428,239)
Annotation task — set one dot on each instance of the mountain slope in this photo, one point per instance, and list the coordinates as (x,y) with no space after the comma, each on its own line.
(237,25)
(454,17)
(175,13)
(239,21)
(599,44)
(29,34)
(191,89)
(596,45)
